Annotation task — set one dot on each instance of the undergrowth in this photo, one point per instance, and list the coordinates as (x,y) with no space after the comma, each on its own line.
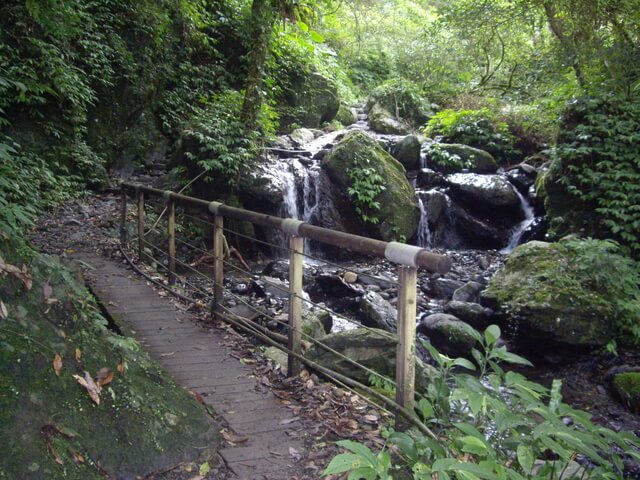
(488,423)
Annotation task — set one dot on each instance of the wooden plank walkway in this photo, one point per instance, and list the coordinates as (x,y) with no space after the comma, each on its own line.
(198,360)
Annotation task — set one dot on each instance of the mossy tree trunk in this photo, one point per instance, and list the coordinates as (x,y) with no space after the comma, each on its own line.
(263,18)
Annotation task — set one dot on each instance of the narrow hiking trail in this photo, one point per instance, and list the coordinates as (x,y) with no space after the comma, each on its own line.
(272,427)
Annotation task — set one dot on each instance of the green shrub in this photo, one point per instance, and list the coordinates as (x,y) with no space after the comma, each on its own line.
(447,161)
(403,99)
(592,184)
(494,425)
(366,184)
(476,128)
(369,68)
(217,140)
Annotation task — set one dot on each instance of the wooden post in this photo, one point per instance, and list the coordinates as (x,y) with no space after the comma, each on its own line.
(140,225)
(171,227)
(406,351)
(123,216)
(296,244)
(218,265)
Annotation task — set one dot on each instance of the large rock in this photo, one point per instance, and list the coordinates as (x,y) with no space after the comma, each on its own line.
(398,214)
(378,312)
(627,387)
(486,192)
(449,334)
(312,100)
(346,116)
(144,424)
(375,349)
(302,136)
(575,292)
(472,313)
(455,157)
(407,152)
(381,121)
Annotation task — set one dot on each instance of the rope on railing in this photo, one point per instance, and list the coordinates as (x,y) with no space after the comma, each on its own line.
(408,257)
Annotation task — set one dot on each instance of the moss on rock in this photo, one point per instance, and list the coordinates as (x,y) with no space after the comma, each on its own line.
(144,422)
(398,213)
(627,387)
(576,292)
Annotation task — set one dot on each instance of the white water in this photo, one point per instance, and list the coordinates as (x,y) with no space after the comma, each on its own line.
(424,234)
(290,196)
(519,229)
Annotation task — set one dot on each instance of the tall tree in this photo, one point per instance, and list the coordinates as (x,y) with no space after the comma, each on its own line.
(262,21)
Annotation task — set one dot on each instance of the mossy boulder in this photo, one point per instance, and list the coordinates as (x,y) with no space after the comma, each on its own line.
(454,157)
(316,323)
(398,214)
(382,121)
(574,292)
(143,423)
(407,152)
(627,387)
(449,334)
(372,348)
(346,116)
(311,100)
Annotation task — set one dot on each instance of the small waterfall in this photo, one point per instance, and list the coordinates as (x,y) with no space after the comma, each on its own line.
(290,195)
(519,229)
(310,193)
(424,234)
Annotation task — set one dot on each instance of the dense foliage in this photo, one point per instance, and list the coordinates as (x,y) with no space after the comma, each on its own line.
(594,180)
(476,128)
(497,425)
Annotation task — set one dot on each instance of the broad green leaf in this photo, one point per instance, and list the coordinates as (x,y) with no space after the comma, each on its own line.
(492,334)
(343,462)
(359,449)
(316,37)
(464,363)
(525,458)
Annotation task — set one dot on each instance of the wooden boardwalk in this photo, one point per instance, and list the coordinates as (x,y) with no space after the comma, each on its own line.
(198,360)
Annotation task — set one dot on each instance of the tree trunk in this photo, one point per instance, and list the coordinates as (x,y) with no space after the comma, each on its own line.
(263,17)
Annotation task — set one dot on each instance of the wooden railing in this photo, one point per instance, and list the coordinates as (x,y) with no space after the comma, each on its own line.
(408,258)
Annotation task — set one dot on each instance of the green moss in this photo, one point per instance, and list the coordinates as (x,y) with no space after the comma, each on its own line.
(580,292)
(144,421)
(627,386)
(398,212)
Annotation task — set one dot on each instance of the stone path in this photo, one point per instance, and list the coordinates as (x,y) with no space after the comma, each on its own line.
(198,360)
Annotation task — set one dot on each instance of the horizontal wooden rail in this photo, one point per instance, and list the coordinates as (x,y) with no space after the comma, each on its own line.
(408,257)
(402,254)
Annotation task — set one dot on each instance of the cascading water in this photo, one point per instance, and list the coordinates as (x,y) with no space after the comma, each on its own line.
(290,196)
(518,231)
(424,234)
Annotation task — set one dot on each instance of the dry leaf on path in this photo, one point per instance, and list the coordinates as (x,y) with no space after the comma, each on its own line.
(232,437)
(92,388)
(78,354)
(21,274)
(47,291)
(122,367)
(167,354)
(4,313)
(104,376)
(57,364)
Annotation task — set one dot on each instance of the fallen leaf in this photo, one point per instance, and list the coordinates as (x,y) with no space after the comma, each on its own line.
(57,364)
(167,354)
(92,388)
(21,274)
(371,418)
(287,421)
(122,367)
(295,453)
(3,311)
(75,456)
(104,376)
(47,290)
(204,469)
(232,437)
(78,354)
(247,361)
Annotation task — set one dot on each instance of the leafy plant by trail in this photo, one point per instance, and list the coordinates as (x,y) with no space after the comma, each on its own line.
(592,185)
(495,424)
(476,128)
